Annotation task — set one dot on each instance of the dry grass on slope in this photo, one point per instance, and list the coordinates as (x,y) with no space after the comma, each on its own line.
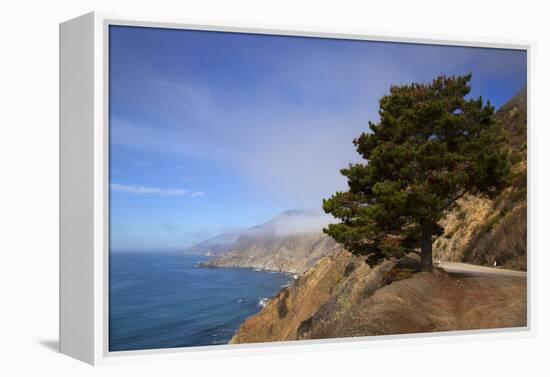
(341,296)
(282,316)
(482,231)
(327,285)
(438,302)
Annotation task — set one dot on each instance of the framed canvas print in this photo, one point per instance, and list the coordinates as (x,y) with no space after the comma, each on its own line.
(226,188)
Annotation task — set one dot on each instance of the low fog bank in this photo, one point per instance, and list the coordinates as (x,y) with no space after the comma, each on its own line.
(293,222)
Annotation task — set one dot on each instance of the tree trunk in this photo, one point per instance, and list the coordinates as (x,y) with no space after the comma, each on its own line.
(426,246)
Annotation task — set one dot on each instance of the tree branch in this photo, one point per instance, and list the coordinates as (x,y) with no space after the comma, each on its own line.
(453,200)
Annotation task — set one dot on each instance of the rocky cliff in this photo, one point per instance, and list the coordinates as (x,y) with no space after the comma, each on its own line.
(483,231)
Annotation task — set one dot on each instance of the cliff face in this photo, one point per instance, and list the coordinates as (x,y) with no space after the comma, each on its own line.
(482,231)
(293,253)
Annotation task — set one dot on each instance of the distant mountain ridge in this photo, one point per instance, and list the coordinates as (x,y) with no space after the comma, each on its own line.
(290,242)
(289,222)
(293,254)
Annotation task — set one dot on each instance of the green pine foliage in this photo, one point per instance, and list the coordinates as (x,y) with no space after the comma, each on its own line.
(431,146)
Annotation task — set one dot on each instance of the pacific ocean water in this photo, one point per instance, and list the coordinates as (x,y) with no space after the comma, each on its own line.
(164,300)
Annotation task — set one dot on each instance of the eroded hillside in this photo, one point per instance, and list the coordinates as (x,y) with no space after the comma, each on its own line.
(483,231)
(341,296)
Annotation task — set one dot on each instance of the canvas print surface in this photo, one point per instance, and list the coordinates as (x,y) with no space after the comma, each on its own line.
(270,188)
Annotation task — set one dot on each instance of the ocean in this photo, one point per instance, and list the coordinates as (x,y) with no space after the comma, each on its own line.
(164,300)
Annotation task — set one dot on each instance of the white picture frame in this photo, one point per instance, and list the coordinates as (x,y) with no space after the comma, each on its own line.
(84,190)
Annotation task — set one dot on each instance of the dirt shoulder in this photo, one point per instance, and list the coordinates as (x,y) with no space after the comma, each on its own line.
(488,298)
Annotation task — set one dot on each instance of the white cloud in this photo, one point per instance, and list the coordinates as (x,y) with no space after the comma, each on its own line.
(148,190)
(196,194)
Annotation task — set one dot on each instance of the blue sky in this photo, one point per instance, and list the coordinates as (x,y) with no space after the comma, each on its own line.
(213,132)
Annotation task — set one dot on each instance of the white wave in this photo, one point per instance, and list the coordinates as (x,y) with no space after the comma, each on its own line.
(263,302)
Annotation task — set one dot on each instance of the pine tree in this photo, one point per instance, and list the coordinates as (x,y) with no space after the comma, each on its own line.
(431,147)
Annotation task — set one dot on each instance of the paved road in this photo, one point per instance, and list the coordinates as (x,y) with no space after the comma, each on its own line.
(464,269)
